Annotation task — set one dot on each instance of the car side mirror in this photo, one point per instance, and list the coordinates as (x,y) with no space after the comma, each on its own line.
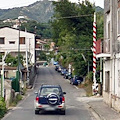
(64,92)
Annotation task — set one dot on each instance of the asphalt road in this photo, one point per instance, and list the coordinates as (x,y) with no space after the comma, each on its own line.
(76,109)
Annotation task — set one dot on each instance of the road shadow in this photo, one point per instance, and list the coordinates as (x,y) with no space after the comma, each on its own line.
(49,113)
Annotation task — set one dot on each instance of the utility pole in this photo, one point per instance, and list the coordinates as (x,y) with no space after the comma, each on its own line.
(27,66)
(20,17)
(2,74)
(2,78)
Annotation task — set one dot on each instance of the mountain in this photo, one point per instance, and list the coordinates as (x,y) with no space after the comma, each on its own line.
(40,11)
(99,9)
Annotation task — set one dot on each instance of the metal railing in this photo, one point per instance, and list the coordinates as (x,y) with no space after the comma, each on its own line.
(103,46)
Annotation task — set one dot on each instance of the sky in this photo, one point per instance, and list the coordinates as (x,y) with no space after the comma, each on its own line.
(5,4)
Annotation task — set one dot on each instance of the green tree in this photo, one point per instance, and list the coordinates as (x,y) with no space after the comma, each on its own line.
(42,56)
(42,29)
(13,61)
(72,32)
(100,25)
(47,47)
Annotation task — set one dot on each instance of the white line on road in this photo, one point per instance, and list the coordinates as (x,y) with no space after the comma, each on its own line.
(76,87)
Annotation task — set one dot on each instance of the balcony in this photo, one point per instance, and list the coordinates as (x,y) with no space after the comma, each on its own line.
(40,44)
(103,48)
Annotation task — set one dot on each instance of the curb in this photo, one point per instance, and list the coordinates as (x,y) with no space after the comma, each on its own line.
(95,113)
(10,109)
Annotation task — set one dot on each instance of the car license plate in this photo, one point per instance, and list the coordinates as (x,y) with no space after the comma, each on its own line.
(51,109)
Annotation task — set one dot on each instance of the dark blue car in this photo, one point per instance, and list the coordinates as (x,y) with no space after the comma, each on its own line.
(50,98)
(75,80)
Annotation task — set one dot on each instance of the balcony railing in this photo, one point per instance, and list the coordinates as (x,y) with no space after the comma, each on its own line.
(103,46)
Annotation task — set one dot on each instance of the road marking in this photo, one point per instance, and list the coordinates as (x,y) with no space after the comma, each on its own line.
(76,87)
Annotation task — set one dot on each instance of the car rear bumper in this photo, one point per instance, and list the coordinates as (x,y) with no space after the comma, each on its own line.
(50,107)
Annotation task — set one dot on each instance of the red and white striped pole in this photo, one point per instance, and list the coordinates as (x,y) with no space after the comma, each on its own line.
(94,50)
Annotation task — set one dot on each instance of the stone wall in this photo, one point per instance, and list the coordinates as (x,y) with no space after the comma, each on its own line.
(8,91)
(32,75)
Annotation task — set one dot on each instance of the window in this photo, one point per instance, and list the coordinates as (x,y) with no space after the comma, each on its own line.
(2,40)
(108,22)
(22,40)
(107,81)
(46,91)
(109,30)
(11,42)
(118,22)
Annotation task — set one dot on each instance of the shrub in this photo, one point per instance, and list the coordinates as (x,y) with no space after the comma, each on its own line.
(89,76)
(16,100)
(3,109)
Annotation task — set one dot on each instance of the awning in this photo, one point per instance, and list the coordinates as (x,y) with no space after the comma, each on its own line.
(103,55)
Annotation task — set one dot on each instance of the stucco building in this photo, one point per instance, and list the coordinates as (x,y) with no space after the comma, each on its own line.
(9,38)
(110,53)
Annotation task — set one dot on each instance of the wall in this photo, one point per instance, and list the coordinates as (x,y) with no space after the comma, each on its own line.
(13,35)
(33,72)
(112,97)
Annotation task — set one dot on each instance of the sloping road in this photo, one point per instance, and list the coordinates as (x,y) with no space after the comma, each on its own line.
(76,109)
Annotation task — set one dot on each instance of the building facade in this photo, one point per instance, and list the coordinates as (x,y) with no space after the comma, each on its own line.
(110,54)
(9,38)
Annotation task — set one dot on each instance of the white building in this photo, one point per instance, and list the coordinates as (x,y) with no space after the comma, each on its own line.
(9,38)
(110,52)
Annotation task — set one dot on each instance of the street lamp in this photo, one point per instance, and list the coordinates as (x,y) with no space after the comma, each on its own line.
(20,17)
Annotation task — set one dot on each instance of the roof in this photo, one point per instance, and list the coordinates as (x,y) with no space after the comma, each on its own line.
(44,85)
(15,29)
(41,41)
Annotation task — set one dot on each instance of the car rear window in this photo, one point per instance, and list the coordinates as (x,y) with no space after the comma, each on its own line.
(46,91)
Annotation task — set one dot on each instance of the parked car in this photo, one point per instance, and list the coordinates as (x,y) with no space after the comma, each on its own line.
(75,80)
(59,68)
(63,71)
(45,64)
(55,62)
(56,67)
(68,75)
(50,98)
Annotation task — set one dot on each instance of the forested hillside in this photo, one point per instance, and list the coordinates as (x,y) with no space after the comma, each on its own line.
(40,11)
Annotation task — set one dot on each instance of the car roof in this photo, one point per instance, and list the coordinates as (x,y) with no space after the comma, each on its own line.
(50,86)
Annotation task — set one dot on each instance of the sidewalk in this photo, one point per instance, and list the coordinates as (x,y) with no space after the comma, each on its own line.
(103,110)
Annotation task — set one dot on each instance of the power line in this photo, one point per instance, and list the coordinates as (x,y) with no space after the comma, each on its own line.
(75,16)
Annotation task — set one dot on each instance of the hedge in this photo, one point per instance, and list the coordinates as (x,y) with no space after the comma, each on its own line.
(3,108)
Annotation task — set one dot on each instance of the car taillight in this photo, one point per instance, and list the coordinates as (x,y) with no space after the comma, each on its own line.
(63,99)
(37,99)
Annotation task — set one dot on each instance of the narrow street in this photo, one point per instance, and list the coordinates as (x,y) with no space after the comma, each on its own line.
(77,108)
